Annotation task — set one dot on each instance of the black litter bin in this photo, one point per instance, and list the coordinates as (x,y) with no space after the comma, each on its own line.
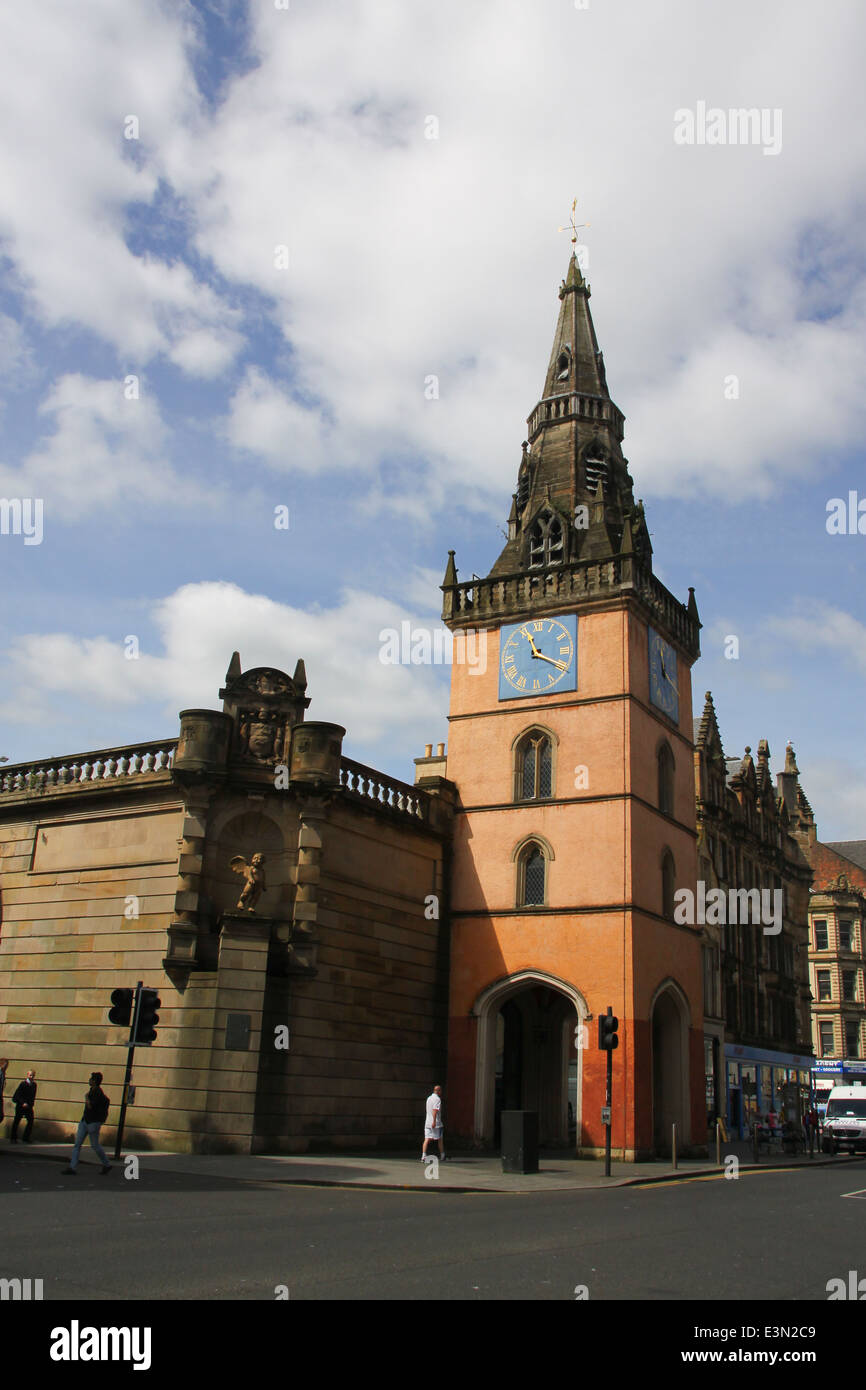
(520,1141)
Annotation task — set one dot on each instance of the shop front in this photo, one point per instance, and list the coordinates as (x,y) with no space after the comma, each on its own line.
(842,1071)
(758,1081)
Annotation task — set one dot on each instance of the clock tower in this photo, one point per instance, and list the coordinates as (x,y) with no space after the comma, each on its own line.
(571,750)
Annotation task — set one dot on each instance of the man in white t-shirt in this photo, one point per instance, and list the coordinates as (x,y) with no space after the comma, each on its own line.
(433,1122)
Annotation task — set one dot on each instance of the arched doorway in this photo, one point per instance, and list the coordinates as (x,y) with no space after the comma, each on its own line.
(670,1018)
(527,1057)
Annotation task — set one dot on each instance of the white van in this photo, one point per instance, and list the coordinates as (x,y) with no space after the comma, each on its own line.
(845,1120)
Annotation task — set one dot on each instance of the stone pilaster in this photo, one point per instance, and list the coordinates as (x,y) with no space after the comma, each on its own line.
(237,1032)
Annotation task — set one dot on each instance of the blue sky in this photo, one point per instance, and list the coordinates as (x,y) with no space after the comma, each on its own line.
(259,386)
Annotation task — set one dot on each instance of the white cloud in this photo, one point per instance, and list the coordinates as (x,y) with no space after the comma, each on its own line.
(104,450)
(412,257)
(16,357)
(817,629)
(199,625)
(263,419)
(70,176)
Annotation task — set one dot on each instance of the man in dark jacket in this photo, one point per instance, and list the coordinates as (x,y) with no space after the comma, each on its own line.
(95,1114)
(24,1100)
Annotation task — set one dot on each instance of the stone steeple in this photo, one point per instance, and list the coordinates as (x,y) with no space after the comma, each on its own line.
(574,498)
(576,535)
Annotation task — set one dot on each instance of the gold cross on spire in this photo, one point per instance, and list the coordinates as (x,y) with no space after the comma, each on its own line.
(575,226)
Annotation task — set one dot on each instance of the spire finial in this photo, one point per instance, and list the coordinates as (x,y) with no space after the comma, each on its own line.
(575,226)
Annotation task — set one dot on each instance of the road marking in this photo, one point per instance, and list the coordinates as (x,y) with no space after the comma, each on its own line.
(712,1177)
(861,1194)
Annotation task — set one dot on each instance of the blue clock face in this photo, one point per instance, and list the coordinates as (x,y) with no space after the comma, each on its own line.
(538,657)
(664,689)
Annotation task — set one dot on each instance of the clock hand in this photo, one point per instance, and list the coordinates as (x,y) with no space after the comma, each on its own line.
(563,665)
(664,672)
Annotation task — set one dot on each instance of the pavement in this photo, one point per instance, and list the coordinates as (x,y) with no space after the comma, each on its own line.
(462,1173)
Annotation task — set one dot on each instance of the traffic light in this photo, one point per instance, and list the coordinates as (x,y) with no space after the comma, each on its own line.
(607,1026)
(122,1011)
(148,1017)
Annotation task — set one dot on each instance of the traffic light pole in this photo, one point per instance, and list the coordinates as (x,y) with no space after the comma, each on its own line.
(133,1033)
(607,1090)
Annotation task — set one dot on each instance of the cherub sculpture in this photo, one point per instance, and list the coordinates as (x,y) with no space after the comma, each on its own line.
(255,885)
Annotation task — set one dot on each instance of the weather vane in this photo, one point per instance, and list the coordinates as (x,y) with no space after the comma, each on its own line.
(575,226)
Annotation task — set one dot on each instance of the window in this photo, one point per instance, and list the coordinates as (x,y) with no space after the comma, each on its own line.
(845,935)
(666,779)
(825,1034)
(823,980)
(532,875)
(668,887)
(849,985)
(852,1037)
(731,1005)
(820,936)
(522,488)
(748,1010)
(546,545)
(534,766)
(563,363)
(711,981)
(748,943)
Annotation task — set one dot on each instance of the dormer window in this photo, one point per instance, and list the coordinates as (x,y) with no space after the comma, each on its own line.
(563,365)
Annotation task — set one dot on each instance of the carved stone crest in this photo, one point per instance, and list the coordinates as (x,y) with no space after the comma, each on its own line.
(264,705)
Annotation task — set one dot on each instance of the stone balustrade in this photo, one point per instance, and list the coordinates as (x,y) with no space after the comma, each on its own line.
(486,601)
(576,405)
(378,790)
(102,765)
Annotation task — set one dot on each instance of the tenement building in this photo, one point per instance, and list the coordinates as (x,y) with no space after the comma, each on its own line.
(751,859)
(837,912)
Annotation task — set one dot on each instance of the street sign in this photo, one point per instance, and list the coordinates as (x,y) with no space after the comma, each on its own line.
(605,1114)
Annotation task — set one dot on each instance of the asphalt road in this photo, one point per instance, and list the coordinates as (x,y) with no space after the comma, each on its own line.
(763,1236)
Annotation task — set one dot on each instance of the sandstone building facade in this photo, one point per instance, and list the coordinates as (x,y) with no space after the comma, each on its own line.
(317,1019)
(837,962)
(751,836)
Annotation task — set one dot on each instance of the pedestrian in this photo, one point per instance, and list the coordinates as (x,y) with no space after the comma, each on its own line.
(96,1105)
(433,1123)
(24,1100)
(4,1062)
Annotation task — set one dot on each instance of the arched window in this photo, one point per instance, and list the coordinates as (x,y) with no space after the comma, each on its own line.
(534,767)
(563,365)
(668,884)
(546,541)
(531,876)
(666,779)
